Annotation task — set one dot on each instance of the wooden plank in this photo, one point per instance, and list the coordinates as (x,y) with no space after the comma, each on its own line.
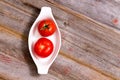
(13,16)
(95,61)
(20,6)
(21,64)
(12,69)
(104,11)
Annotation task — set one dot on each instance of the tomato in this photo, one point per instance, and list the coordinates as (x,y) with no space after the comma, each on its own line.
(46,27)
(43,47)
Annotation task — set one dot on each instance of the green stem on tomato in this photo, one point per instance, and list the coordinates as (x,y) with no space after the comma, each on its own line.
(46,26)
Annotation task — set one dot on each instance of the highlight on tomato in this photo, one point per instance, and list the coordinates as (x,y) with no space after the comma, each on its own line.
(43,47)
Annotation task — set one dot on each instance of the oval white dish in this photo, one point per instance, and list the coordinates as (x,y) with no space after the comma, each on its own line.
(43,64)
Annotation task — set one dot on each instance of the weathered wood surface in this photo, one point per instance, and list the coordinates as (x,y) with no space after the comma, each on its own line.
(90,50)
(104,11)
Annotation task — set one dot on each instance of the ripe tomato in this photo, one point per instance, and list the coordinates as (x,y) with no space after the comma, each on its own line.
(46,27)
(43,47)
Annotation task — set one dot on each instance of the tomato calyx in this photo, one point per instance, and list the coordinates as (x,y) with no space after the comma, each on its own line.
(46,26)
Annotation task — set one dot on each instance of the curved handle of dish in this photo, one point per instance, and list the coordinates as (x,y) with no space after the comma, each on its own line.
(46,11)
(43,69)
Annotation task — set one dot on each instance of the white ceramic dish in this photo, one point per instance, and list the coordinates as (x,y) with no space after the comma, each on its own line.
(43,64)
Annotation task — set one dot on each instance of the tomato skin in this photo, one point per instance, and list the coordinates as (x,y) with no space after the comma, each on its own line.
(43,47)
(46,27)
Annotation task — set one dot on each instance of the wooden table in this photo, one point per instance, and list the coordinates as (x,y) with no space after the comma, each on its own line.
(90,39)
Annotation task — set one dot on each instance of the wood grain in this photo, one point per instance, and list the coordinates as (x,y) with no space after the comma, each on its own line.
(104,11)
(20,6)
(22,59)
(90,51)
(99,38)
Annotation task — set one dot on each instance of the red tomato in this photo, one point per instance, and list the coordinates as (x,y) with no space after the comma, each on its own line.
(46,27)
(43,47)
